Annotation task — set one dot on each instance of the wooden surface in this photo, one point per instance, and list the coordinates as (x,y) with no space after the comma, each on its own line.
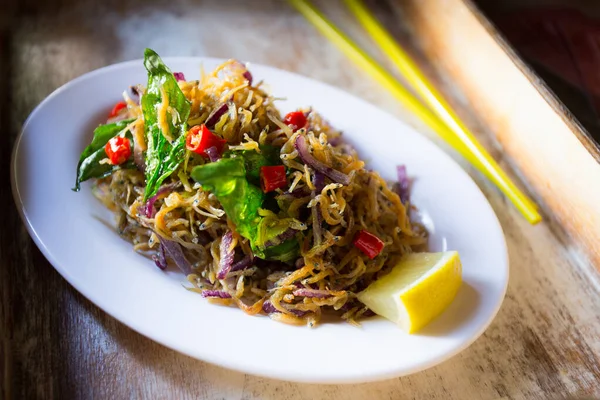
(544,343)
(546,143)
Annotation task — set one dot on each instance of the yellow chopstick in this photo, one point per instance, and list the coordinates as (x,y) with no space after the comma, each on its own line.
(409,69)
(464,143)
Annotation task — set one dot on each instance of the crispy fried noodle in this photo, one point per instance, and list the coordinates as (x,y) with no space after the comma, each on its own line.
(194,189)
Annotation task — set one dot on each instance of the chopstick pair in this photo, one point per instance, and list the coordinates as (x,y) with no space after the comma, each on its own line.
(435,113)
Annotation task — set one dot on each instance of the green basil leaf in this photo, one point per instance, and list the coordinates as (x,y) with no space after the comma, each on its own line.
(241,200)
(227,179)
(89,162)
(286,252)
(162,157)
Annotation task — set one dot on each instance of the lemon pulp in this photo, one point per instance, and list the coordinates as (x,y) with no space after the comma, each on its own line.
(416,290)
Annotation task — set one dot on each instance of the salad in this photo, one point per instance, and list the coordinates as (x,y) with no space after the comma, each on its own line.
(272,213)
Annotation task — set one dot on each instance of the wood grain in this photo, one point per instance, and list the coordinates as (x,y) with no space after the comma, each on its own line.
(540,136)
(57,345)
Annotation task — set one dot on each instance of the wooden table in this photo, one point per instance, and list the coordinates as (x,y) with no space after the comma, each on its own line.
(544,343)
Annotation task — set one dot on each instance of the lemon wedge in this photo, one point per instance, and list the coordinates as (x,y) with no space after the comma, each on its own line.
(416,290)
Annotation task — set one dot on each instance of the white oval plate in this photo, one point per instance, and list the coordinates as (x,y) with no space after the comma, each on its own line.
(76,235)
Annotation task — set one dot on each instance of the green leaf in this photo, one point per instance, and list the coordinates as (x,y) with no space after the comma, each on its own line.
(241,200)
(286,252)
(162,156)
(253,161)
(228,180)
(89,162)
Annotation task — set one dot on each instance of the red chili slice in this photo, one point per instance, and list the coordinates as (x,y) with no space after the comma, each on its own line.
(272,177)
(118,150)
(368,243)
(295,119)
(117,108)
(200,138)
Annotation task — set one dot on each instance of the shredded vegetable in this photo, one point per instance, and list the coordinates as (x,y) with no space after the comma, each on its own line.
(321,229)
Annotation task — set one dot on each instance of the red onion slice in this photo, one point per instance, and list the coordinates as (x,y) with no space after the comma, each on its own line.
(269,308)
(318,182)
(174,252)
(148,209)
(214,116)
(302,146)
(179,76)
(221,294)
(213,154)
(160,259)
(248,77)
(242,264)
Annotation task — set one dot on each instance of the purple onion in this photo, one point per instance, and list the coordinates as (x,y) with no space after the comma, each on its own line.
(213,154)
(179,76)
(282,237)
(148,209)
(221,294)
(248,77)
(160,259)
(269,308)
(335,141)
(319,294)
(242,264)
(317,165)
(403,186)
(214,116)
(173,251)
(318,182)
(226,254)
(298,313)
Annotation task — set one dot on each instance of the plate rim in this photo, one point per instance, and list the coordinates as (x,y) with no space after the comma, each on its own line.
(434,361)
